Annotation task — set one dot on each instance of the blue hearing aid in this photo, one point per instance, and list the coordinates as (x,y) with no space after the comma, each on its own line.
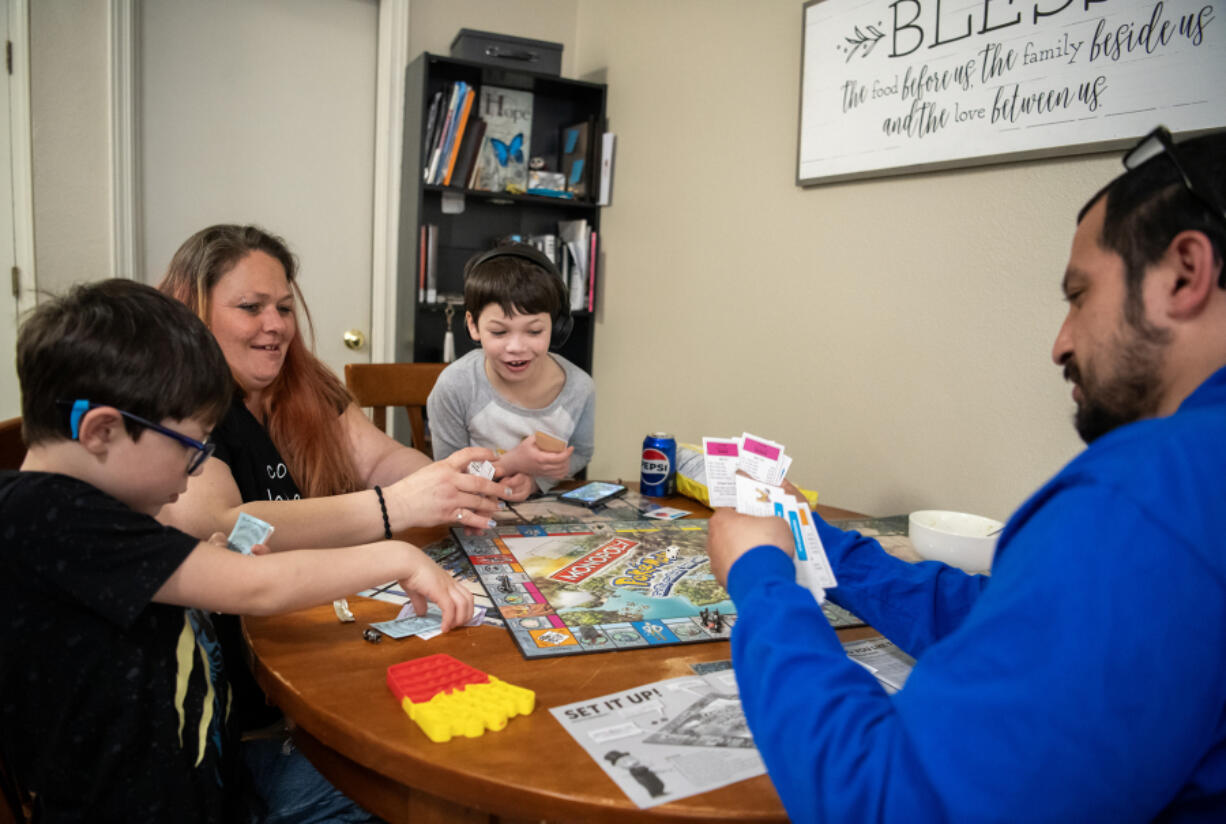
(79,408)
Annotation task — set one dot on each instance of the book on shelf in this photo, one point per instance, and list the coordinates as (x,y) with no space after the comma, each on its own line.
(422,241)
(431,263)
(591,274)
(467,158)
(502,162)
(576,241)
(446,115)
(546,245)
(430,134)
(607,141)
(577,160)
(453,149)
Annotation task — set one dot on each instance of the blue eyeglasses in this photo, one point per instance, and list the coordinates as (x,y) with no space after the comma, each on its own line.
(197,459)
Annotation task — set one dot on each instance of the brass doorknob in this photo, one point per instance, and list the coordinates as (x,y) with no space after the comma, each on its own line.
(354,339)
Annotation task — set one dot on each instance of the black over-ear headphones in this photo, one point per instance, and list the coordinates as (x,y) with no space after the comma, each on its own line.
(563,323)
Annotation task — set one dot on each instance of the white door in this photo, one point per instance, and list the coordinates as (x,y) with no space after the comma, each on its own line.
(263,111)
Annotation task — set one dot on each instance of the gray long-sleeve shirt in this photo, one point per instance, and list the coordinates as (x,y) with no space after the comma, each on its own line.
(465,410)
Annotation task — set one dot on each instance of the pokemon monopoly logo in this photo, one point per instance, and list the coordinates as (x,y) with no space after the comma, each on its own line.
(639,576)
(594,561)
(656,574)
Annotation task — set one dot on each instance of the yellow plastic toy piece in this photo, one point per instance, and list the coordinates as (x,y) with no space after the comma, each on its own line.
(470,711)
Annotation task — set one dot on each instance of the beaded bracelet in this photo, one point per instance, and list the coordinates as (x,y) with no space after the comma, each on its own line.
(387,525)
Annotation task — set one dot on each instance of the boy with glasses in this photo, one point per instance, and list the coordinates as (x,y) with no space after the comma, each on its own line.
(1085,679)
(114,704)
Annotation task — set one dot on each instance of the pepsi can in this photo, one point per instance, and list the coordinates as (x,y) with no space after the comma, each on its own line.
(659,476)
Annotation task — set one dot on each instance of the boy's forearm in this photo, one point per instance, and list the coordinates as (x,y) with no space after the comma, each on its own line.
(294,580)
(219,580)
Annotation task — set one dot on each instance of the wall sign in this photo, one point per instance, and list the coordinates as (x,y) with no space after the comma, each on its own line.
(894,86)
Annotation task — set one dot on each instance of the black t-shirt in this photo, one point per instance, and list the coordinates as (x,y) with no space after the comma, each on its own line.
(243,444)
(112,707)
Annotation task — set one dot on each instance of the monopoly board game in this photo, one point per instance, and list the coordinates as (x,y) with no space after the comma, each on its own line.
(565,589)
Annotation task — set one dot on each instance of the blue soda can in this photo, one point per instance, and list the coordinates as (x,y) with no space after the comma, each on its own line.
(659,476)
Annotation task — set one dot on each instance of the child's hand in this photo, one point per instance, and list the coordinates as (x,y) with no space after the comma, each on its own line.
(444,493)
(731,534)
(530,459)
(521,486)
(219,539)
(427,581)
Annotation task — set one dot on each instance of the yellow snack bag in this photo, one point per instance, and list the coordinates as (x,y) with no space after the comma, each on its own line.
(692,475)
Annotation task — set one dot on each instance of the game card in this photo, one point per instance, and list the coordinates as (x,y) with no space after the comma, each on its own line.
(248,531)
(548,443)
(483,469)
(720,458)
(755,497)
(766,500)
(760,458)
(665,513)
(411,623)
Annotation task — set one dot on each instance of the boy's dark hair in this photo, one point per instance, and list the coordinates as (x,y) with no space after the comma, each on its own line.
(1149,205)
(511,277)
(123,344)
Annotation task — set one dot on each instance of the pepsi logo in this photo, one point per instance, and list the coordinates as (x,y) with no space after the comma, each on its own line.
(656,466)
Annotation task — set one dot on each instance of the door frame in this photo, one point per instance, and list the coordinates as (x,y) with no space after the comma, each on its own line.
(392,53)
(22,149)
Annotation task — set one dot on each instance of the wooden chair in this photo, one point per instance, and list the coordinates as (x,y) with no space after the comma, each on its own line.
(380,385)
(12,447)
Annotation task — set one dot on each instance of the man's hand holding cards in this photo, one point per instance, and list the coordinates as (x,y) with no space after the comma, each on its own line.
(762,499)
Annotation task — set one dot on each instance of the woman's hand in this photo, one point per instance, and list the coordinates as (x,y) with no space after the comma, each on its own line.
(444,493)
(530,459)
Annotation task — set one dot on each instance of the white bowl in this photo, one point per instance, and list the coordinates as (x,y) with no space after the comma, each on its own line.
(955,538)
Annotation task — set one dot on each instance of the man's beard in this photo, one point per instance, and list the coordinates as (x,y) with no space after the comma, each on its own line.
(1127,395)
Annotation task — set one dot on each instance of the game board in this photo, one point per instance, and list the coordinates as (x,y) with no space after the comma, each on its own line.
(566,589)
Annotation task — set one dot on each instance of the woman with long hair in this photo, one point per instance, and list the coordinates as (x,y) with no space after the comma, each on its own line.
(295,450)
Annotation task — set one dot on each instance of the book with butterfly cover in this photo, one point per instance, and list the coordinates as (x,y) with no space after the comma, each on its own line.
(502,164)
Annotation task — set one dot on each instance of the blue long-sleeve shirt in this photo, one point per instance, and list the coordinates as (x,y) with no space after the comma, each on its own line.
(1084,681)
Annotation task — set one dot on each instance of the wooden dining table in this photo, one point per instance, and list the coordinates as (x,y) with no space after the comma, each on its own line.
(331,685)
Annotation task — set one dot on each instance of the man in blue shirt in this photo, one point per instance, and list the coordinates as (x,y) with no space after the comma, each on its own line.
(1086,679)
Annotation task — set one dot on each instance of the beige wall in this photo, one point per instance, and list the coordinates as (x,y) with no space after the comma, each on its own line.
(894,334)
(69,103)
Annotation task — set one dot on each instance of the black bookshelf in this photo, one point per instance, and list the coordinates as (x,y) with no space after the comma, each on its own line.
(557,103)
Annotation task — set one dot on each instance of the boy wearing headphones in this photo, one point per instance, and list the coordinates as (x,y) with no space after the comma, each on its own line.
(501,395)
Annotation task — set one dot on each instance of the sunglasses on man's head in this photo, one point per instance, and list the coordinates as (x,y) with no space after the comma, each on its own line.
(1159,142)
(204,450)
